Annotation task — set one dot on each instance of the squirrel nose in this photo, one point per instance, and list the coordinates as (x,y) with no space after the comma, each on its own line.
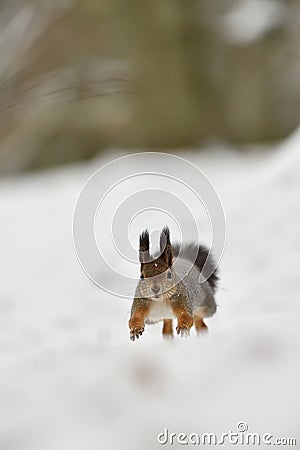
(155,288)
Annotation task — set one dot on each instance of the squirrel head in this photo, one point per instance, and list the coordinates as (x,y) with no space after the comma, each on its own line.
(157,275)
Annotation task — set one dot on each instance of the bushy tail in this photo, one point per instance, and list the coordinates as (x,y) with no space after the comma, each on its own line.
(198,254)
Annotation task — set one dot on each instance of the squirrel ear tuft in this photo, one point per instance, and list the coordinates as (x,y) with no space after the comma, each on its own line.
(165,246)
(164,238)
(144,247)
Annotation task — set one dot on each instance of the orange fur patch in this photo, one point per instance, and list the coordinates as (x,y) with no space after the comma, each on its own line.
(200,325)
(168,327)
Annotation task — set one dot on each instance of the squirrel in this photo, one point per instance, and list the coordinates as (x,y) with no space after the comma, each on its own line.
(170,288)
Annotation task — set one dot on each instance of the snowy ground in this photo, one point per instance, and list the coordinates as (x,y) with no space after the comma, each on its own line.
(70,378)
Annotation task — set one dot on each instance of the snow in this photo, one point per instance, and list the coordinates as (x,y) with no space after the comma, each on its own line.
(70,377)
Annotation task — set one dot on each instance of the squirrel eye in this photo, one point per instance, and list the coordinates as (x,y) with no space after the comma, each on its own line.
(142,276)
(169,275)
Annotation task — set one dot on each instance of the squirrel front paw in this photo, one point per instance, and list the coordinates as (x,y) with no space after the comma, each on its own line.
(136,332)
(185,321)
(183,330)
(136,326)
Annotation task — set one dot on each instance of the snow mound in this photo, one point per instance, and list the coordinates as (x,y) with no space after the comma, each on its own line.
(70,377)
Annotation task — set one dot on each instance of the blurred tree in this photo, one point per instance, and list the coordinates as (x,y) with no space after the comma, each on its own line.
(76,77)
(165,47)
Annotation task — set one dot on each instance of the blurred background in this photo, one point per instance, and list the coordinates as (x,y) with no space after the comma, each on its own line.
(78,77)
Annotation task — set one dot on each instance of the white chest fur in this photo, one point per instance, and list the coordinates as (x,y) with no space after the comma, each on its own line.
(160,310)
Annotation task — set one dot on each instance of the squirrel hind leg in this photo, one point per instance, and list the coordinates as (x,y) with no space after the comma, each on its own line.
(167,330)
(200,326)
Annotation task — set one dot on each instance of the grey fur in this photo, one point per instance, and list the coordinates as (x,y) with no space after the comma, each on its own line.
(201,257)
(200,295)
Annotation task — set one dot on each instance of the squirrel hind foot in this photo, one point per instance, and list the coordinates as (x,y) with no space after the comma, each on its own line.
(200,325)
(167,330)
